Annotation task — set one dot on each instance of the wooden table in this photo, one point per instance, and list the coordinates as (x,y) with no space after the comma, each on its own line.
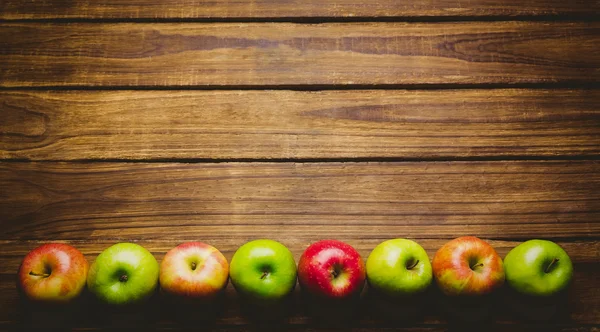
(223,121)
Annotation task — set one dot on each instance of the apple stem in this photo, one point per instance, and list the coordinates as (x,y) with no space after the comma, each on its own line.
(44,275)
(336,272)
(264,275)
(548,268)
(412,266)
(193,265)
(476,266)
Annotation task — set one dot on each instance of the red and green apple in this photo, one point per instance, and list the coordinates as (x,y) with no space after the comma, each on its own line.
(194,270)
(467,266)
(53,273)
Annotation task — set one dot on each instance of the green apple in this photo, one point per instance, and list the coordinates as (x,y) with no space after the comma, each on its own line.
(125,273)
(399,267)
(538,268)
(263,271)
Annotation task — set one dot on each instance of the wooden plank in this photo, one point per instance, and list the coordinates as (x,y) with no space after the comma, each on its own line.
(284,54)
(253,9)
(75,125)
(502,200)
(583,300)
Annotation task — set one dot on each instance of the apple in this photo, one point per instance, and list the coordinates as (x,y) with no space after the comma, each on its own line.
(331,269)
(125,273)
(399,275)
(467,266)
(263,271)
(538,268)
(194,270)
(53,273)
(398,268)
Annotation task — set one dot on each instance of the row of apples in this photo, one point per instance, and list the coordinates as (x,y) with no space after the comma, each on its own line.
(265,272)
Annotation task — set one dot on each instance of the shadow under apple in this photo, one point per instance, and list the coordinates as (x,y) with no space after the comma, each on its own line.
(329,312)
(466,310)
(403,310)
(269,312)
(35,315)
(138,315)
(192,312)
(536,309)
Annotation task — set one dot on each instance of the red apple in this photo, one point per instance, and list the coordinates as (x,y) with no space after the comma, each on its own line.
(331,269)
(53,273)
(194,270)
(467,266)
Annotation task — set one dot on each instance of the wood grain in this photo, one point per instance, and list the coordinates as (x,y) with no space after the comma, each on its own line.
(172,9)
(583,301)
(290,124)
(283,54)
(241,201)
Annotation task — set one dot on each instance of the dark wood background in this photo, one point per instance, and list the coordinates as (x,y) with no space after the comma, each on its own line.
(223,121)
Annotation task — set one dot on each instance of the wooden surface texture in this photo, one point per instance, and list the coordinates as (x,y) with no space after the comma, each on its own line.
(147,125)
(285,54)
(160,122)
(223,9)
(241,201)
